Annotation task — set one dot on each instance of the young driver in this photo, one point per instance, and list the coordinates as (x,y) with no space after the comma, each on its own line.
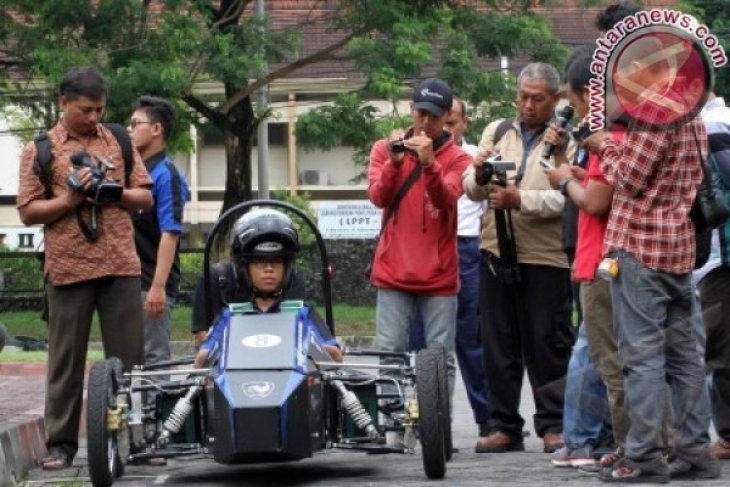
(263,252)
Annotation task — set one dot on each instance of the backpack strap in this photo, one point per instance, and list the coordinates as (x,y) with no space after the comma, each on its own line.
(502,129)
(125,142)
(42,163)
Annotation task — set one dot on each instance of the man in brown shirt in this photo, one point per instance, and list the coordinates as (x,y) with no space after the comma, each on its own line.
(85,272)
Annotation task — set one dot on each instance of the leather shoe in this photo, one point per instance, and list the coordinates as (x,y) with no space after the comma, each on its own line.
(552,442)
(499,442)
(721,450)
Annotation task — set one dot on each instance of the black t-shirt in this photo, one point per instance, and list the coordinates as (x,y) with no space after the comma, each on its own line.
(169,186)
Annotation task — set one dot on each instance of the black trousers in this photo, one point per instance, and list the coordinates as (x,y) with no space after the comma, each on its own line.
(525,325)
(715,300)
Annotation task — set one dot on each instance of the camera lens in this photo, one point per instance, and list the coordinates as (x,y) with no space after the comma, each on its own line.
(398,146)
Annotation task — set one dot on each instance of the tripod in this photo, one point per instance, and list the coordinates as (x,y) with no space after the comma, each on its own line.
(508,270)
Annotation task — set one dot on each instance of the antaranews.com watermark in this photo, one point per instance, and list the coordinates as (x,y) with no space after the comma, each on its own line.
(660,56)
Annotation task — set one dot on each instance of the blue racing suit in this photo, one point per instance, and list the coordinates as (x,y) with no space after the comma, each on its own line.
(309,317)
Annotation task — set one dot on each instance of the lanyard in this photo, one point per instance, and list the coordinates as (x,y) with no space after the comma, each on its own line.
(526,147)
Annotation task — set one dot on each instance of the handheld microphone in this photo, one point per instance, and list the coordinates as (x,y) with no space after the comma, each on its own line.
(564,117)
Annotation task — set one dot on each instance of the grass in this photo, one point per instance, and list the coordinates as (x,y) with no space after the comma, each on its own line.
(349,320)
(5,356)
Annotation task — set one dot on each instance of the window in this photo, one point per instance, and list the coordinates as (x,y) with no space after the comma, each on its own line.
(25,240)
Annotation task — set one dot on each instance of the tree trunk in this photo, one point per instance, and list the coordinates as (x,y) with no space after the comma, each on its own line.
(238,141)
(238,133)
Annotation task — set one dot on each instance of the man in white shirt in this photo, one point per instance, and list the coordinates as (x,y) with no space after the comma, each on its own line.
(469,351)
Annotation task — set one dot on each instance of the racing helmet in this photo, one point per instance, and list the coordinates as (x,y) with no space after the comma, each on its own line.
(264,233)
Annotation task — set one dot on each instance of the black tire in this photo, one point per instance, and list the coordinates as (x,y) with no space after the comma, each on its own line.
(445,405)
(431,417)
(105,463)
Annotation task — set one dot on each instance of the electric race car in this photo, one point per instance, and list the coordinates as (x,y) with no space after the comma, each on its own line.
(274,395)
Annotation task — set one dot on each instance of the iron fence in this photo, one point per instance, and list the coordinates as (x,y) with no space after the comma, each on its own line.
(21,275)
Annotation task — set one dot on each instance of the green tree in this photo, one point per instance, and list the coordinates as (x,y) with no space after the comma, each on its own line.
(469,37)
(169,47)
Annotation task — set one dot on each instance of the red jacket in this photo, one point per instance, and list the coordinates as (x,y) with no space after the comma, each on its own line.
(417,250)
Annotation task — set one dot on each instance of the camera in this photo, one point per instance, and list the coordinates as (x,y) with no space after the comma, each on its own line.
(398,146)
(582,133)
(101,190)
(494,167)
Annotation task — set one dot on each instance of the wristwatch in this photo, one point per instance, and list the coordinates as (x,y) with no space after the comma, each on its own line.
(563,185)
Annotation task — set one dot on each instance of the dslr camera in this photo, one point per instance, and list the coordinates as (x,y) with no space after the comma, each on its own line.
(101,190)
(495,168)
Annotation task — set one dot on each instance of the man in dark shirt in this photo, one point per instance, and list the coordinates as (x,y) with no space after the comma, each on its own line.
(157,230)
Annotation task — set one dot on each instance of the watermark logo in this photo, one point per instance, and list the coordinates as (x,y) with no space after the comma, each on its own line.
(655,66)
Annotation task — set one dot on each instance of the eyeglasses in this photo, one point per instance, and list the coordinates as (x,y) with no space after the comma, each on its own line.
(263,262)
(134,122)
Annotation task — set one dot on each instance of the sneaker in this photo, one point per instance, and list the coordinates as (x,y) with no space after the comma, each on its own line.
(707,467)
(574,458)
(628,471)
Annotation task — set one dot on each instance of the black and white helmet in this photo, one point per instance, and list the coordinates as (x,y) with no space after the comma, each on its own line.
(264,233)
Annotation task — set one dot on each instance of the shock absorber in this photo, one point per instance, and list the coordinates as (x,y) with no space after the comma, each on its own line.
(179,414)
(355,409)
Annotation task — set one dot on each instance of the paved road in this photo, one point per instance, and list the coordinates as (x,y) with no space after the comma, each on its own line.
(342,468)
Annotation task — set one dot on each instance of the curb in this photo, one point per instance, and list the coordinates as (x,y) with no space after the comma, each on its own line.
(22,445)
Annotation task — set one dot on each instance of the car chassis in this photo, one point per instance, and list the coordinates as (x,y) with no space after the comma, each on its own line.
(273,395)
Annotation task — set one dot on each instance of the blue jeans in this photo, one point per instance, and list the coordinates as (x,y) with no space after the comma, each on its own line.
(585,411)
(654,314)
(469,350)
(394,312)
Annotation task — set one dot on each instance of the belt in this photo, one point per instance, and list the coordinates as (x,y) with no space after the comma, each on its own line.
(459,238)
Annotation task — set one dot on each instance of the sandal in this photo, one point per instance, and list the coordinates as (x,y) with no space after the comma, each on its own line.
(56,459)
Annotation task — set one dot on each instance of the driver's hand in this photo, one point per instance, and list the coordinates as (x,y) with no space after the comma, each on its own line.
(199,338)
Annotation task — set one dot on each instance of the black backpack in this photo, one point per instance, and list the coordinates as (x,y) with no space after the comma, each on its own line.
(44,156)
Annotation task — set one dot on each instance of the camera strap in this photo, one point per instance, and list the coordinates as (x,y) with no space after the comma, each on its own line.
(399,195)
(90,231)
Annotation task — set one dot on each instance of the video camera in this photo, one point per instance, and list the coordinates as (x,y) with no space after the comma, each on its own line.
(494,168)
(102,190)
